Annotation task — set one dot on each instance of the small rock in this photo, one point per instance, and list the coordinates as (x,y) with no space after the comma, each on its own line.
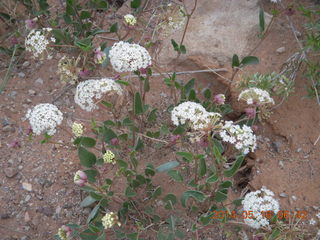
(281,164)
(24,238)
(28,197)
(27,186)
(10,172)
(48,211)
(29,101)
(299,150)
(21,75)
(8,128)
(281,50)
(298,34)
(4,216)
(284,195)
(294,198)
(25,64)
(276,146)
(12,94)
(39,81)
(32,92)
(27,217)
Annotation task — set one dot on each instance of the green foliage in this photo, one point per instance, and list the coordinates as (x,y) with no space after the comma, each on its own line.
(179,48)
(261,21)
(248,60)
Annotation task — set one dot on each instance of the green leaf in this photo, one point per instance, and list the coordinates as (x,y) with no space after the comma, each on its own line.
(91,174)
(175,45)
(135,3)
(85,15)
(179,130)
(202,167)
(139,144)
(170,200)
(275,233)
(70,5)
(235,61)
(197,195)
(261,20)
(149,171)
(108,134)
(220,196)
(114,28)
(130,192)
(225,184)
(102,236)
(249,60)
(183,49)
(205,219)
(146,85)
(172,223)
(207,93)
(213,178)
(93,213)
(87,142)
(87,159)
(84,44)
(189,86)
(138,108)
(176,175)
(157,192)
(236,165)
(132,236)
(87,201)
(188,157)
(107,104)
(167,166)
(237,202)
(152,115)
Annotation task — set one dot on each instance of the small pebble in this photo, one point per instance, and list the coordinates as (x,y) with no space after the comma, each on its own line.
(21,75)
(284,195)
(281,50)
(27,186)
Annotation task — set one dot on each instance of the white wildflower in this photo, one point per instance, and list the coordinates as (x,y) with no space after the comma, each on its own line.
(77,129)
(127,57)
(258,202)
(110,219)
(108,157)
(275,1)
(255,96)
(37,41)
(195,115)
(243,138)
(130,19)
(44,117)
(90,90)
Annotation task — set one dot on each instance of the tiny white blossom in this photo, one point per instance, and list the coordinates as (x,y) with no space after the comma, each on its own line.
(110,219)
(243,138)
(195,115)
(255,96)
(130,19)
(44,117)
(37,41)
(128,57)
(312,221)
(260,201)
(90,90)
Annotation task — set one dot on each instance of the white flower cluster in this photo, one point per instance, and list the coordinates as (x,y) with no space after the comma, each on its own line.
(77,129)
(108,157)
(258,202)
(243,138)
(44,117)
(91,89)
(130,19)
(127,57)
(255,96)
(110,219)
(172,19)
(37,41)
(194,114)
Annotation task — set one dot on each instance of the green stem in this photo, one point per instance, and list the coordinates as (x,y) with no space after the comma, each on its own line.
(7,76)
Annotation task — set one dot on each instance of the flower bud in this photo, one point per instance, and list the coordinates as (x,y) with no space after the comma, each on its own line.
(130,19)
(174,139)
(108,157)
(250,112)
(114,141)
(219,99)
(31,23)
(99,56)
(80,178)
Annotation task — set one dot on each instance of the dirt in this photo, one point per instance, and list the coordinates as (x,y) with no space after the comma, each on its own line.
(287,159)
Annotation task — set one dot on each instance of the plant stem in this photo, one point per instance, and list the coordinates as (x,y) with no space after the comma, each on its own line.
(7,76)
